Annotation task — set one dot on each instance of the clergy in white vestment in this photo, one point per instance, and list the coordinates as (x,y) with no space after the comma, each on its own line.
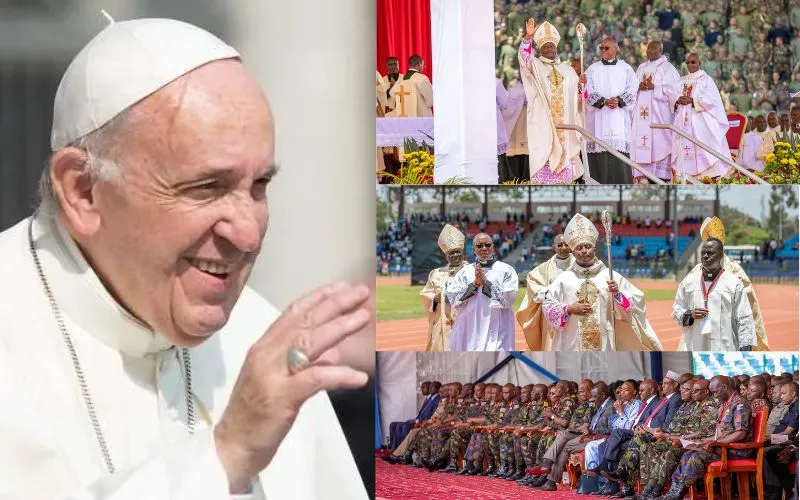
(551,89)
(582,299)
(500,102)
(751,142)
(711,306)
(713,227)
(699,112)
(416,83)
(381,102)
(392,74)
(441,314)
(611,85)
(539,333)
(516,124)
(483,294)
(135,362)
(652,147)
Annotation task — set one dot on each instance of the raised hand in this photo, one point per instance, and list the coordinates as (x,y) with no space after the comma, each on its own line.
(530,28)
(267,395)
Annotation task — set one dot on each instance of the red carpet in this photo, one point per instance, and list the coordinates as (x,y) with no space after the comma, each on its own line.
(396,482)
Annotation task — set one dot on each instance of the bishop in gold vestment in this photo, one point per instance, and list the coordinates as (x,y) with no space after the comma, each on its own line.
(441,314)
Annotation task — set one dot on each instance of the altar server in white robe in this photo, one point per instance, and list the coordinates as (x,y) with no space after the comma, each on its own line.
(134,361)
(539,333)
(699,112)
(611,85)
(515,123)
(441,314)
(713,227)
(712,308)
(551,89)
(751,142)
(580,302)
(483,294)
(652,147)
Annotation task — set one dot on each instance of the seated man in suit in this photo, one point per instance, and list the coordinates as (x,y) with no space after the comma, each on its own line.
(625,443)
(399,430)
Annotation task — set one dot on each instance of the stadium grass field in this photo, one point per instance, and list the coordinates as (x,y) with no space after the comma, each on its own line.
(402,323)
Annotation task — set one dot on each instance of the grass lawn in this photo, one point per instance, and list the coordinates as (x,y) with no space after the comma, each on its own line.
(404,302)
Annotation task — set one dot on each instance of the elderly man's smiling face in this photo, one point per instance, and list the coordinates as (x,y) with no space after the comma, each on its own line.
(176,240)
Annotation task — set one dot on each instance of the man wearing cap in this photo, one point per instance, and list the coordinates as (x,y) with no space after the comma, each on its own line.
(713,227)
(551,89)
(135,360)
(483,294)
(539,334)
(711,304)
(440,313)
(581,301)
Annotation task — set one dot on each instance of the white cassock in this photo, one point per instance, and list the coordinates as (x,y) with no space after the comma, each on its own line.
(729,323)
(652,147)
(49,449)
(595,332)
(747,156)
(485,320)
(501,101)
(706,121)
(612,126)
(419,84)
(551,89)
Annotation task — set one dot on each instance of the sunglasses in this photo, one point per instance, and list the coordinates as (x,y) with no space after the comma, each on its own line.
(605,47)
(484,245)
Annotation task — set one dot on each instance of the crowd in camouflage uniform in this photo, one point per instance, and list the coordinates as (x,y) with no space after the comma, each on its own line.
(505,432)
(739,42)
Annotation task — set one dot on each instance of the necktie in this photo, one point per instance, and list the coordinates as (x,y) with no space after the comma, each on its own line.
(596,416)
(641,410)
(662,403)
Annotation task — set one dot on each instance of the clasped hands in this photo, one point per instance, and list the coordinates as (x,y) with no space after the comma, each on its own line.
(480,277)
(583,308)
(684,100)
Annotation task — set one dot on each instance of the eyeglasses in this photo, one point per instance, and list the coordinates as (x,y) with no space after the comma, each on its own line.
(605,47)
(483,245)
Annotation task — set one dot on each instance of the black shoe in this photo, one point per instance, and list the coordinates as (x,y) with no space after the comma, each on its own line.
(607,490)
(646,493)
(511,471)
(676,491)
(499,472)
(625,491)
(526,479)
(490,469)
(466,468)
(538,482)
(549,486)
(519,474)
(451,467)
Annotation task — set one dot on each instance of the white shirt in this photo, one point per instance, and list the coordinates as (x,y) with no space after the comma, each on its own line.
(49,450)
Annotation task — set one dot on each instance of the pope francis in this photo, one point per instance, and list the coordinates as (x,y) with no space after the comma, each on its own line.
(135,362)
(581,301)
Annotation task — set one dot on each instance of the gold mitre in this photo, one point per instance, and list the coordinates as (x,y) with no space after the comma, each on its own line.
(545,33)
(713,227)
(451,239)
(580,230)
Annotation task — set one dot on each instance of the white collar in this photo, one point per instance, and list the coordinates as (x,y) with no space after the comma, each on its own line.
(695,76)
(650,399)
(82,297)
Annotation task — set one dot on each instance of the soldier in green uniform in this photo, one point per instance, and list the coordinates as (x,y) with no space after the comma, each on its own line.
(440,438)
(732,426)
(535,418)
(507,437)
(507,413)
(462,430)
(556,418)
(476,449)
(421,443)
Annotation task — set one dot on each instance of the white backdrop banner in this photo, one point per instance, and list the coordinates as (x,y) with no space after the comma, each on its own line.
(465,114)
(397,388)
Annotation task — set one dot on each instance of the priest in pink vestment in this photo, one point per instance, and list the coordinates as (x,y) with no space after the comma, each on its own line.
(652,148)
(700,113)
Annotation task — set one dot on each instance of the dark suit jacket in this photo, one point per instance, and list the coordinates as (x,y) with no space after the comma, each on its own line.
(427,410)
(665,414)
(648,410)
(604,420)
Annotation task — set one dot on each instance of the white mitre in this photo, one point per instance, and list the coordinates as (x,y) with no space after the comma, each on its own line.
(546,33)
(122,65)
(580,230)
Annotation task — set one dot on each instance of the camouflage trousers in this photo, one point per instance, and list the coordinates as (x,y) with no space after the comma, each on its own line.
(545,442)
(658,461)
(459,439)
(507,447)
(493,443)
(477,447)
(693,465)
(438,445)
(421,444)
(528,449)
(631,458)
